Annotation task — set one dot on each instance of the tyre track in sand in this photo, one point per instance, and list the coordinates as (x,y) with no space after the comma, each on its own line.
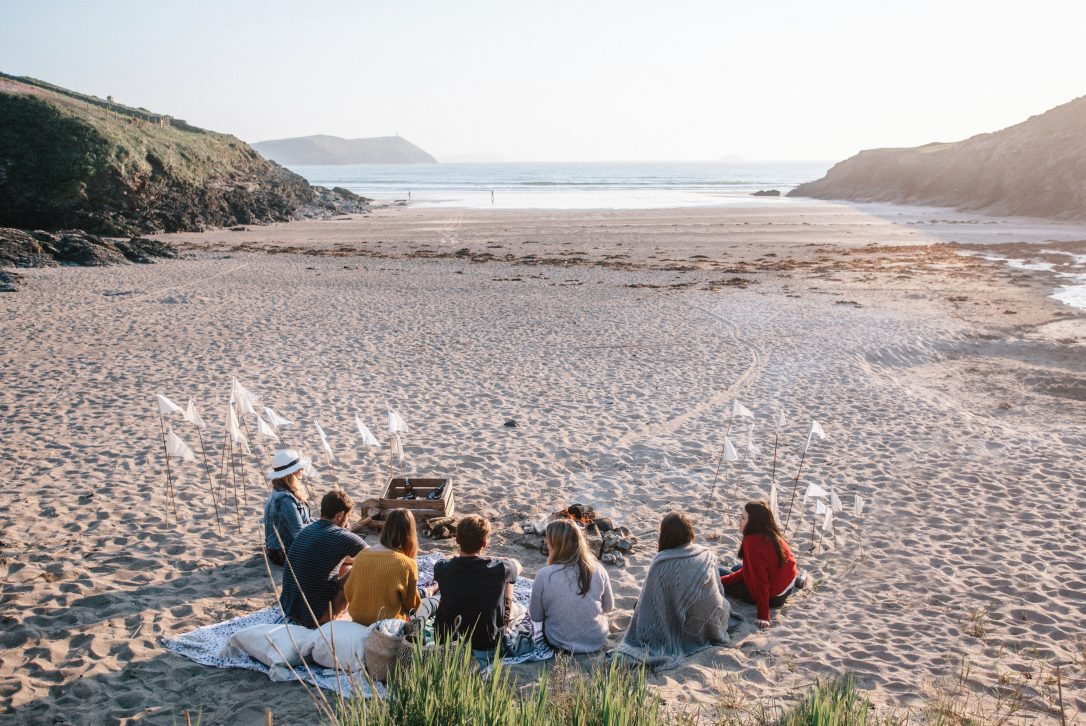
(758,361)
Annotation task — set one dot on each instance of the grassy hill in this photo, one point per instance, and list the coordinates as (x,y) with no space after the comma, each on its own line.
(68,160)
(1036,168)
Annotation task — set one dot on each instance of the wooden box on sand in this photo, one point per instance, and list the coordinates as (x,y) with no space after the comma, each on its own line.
(374,511)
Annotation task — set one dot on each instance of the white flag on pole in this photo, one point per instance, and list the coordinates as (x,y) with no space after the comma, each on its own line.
(827,521)
(166,406)
(368,439)
(396,424)
(730,454)
(276,420)
(816,430)
(820,507)
(397,449)
(835,503)
(773,500)
(265,430)
(244,397)
(858,506)
(324,442)
(752,448)
(177,448)
(233,427)
(192,417)
(739,410)
(815,492)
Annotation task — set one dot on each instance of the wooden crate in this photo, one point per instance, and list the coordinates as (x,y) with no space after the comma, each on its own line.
(422,508)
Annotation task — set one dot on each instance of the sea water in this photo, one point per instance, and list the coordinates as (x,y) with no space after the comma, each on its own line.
(569,185)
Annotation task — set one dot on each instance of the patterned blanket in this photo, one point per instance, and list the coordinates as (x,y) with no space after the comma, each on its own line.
(204,644)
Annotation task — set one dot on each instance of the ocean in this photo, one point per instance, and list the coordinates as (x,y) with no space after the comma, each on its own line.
(569,185)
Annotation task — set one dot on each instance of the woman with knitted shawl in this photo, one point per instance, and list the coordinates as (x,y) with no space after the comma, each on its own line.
(682,608)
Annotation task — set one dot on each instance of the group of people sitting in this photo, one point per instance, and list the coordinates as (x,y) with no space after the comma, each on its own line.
(329,571)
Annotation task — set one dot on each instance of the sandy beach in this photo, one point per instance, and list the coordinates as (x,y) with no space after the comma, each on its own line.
(952,390)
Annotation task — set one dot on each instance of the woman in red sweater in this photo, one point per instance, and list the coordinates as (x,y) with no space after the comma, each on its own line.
(768,574)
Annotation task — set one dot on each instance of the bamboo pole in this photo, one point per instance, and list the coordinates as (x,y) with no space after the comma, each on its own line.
(210,483)
(169,476)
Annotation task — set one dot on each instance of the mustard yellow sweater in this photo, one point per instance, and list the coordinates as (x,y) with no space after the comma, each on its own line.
(382,584)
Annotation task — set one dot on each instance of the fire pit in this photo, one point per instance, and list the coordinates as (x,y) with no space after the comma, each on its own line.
(608,542)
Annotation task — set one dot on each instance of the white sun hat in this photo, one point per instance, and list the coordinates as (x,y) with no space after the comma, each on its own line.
(285,462)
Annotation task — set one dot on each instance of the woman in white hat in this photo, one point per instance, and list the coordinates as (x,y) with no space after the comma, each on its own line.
(286,510)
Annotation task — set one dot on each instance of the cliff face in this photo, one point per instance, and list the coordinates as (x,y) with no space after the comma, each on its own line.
(1036,168)
(331,150)
(69,161)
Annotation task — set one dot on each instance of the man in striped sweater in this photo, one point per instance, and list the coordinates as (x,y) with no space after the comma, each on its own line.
(318,563)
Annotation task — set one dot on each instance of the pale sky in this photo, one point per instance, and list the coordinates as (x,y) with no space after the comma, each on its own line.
(562,80)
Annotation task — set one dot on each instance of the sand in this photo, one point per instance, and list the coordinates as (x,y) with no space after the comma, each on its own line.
(953,391)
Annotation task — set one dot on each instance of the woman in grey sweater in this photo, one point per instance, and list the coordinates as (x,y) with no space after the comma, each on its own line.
(571,596)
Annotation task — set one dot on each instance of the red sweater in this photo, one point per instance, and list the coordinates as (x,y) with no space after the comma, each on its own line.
(761,572)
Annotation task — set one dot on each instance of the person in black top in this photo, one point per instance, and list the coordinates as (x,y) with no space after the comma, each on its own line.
(478,590)
(318,561)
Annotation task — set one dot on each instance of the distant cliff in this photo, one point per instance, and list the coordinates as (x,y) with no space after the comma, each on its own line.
(72,161)
(1036,168)
(330,150)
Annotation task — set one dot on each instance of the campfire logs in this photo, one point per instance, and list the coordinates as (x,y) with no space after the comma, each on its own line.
(608,542)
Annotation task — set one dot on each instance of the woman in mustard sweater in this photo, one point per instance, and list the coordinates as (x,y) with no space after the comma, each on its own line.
(383,582)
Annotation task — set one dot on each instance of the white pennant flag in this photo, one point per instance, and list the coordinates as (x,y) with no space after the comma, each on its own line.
(396,424)
(324,442)
(244,397)
(397,449)
(265,430)
(752,449)
(166,406)
(368,439)
(835,503)
(177,448)
(773,500)
(192,417)
(814,492)
(827,521)
(820,507)
(276,420)
(730,454)
(858,506)
(816,430)
(233,427)
(780,422)
(739,409)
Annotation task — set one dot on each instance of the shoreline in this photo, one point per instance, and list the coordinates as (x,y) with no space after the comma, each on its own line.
(618,342)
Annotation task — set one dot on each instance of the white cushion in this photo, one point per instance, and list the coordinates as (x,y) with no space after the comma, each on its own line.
(349,640)
(271,644)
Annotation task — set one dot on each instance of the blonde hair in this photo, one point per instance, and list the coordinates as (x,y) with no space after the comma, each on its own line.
(566,545)
(291,483)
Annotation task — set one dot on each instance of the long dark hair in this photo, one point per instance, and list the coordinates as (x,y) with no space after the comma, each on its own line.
(676,530)
(760,520)
(399,533)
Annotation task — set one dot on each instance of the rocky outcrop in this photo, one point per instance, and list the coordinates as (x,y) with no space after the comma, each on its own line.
(322,150)
(70,161)
(767,193)
(1036,168)
(76,247)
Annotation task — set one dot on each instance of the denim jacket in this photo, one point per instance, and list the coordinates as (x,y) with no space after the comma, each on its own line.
(284,512)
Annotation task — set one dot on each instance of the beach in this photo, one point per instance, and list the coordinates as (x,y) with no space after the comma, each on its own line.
(952,389)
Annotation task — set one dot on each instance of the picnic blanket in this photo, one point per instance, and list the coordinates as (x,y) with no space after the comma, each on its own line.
(204,644)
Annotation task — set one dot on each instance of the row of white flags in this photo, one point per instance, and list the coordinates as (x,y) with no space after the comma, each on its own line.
(820,495)
(268,426)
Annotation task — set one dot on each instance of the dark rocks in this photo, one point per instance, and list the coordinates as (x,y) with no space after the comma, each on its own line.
(71,247)
(766,193)
(9,281)
(510,424)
